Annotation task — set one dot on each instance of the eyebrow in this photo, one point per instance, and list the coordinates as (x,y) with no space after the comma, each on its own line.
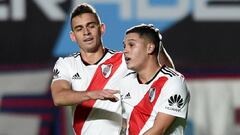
(131,39)
(79,26)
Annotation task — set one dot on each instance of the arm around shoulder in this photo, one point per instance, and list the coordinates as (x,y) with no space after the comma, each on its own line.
(63,95)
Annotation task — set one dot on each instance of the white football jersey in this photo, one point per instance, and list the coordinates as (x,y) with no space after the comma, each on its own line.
(166,92)
(99,117)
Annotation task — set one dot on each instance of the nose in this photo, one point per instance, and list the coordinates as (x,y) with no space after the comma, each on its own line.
(125,50)
(86,31)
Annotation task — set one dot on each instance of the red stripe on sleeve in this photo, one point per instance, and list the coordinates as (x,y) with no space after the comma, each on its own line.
(142,111)
(97,83)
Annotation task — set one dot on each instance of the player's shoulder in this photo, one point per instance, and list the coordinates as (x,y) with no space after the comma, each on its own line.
(112,52)
(175,80)
(71,56)
(69,59)
(171,73)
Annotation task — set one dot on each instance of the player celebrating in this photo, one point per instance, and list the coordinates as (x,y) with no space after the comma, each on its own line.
(155,97)
(83,80)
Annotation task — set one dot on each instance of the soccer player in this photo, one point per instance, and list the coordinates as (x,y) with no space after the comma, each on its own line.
(86,80)
(155,97)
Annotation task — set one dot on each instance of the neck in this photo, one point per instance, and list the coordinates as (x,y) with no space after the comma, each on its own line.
(149,71)
(92,57)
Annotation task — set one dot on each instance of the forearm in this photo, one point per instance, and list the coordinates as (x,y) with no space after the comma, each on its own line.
(154,131)
(161,124)
(63,94)
(124,126)
(70,97)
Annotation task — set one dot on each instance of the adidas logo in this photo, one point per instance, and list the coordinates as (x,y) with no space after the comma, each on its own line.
(176,100)
(76,76)
(128,96)
(55,73)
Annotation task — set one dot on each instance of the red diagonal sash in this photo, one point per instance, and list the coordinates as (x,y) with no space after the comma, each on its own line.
(97,83)
(142,111)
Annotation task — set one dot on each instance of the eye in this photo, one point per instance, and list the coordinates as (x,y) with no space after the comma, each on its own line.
(131,44)
(77,29)
(124,46)
(92,25)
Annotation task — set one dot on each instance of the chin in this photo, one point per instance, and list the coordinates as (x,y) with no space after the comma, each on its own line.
(130,67)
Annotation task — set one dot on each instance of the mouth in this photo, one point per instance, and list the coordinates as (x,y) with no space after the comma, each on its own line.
(127,59)
(87,40)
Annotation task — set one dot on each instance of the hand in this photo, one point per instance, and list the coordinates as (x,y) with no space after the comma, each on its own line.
(105,94)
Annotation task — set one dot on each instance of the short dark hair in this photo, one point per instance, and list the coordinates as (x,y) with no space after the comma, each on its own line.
(84,8)
(150,32)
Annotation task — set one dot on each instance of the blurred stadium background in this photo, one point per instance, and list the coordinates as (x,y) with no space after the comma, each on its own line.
(202,37)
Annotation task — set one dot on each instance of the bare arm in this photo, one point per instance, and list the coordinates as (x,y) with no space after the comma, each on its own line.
(63,94)
(165,59)
(161,124)
(124,126)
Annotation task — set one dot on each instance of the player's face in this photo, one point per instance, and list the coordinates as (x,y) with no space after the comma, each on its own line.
(135,51)
(87,32)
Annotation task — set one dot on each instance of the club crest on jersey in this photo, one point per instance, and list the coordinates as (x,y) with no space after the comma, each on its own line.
(152,93)
(106,70)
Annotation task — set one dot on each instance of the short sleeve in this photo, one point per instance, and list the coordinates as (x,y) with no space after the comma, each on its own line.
(61,71)
(174,97)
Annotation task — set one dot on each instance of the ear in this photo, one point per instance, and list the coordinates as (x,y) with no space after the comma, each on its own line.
(150,48)
(72,36)
(102,28)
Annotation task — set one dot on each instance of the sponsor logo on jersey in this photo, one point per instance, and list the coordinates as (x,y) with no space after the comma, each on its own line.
(175,103)
(152,93)
(106,70)
(55,73)
(76,76)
